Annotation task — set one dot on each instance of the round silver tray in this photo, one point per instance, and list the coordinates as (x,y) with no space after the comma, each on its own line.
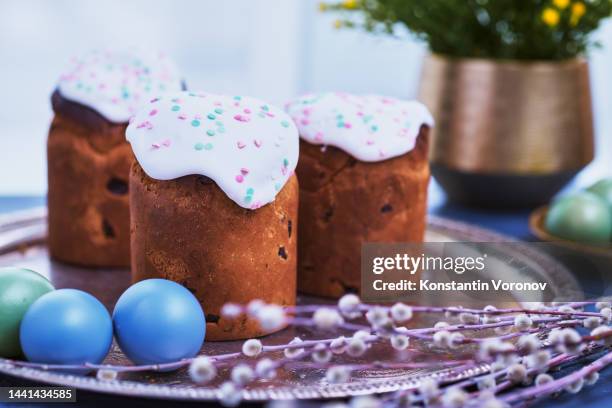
(22,243)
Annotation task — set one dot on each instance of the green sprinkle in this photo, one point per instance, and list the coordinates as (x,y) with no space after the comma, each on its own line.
(237,98)
(199,146)
(210,132)
(286,162)
(277,186)
(221,130)
(265,107)
(175,108)
(208,146)
(218,111)
(195,123)
(285,123)
(340,124)
(248,199)
(250,191)
(219,123)
(211,116)
(374,128)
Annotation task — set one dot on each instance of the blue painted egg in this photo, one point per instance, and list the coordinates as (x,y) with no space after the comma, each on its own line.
(67,326)
(158,321)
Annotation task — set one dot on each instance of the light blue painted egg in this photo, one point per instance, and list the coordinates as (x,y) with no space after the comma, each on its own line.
(158,321)
(66,326)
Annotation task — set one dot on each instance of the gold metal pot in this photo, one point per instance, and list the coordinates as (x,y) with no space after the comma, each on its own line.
(507,133)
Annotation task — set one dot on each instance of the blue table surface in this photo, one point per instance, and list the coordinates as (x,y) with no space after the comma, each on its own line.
(511,223)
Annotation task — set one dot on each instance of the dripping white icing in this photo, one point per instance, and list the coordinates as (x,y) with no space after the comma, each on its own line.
(116,83)
(370,128)
(248,147)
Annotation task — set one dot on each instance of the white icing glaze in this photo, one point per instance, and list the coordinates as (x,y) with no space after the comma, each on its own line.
(116,83)
(370,128)
(248,147)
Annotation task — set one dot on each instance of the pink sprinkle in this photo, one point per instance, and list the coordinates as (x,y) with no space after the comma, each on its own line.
(348,125)
(241,118)
(217,103)
(153,112)
(241,145)
(369,142)
(182,116)
(198,116)
(155,146)
(247,110)
(240,178)
(319,136)
(154,100)
(167,142)
(258,143)
(305,122)
(244,171)
(359,113)
(307,111)
(284,170)
(270,114)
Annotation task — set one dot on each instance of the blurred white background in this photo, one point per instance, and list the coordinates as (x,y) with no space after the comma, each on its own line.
(273,49)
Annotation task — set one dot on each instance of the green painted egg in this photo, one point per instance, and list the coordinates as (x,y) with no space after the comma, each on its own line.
(581,217)
(603,188)
(19,288)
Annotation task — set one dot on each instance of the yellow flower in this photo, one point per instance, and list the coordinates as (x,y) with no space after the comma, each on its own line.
(561,4)
(550,17)
(338,24)
(578,10)
(349,4)
(322,7)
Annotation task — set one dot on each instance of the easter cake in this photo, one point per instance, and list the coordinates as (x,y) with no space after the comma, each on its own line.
(88,157)
(214,202)
(363,174)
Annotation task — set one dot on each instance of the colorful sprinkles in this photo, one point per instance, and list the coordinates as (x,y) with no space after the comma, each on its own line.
(370,128)
(117,83)
(253,156)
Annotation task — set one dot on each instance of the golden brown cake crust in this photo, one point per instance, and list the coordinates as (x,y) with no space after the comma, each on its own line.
(88,202)
(345,202)
(189,231)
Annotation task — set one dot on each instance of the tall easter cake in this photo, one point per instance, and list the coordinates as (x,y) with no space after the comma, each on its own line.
(214,202)
(363,174)
(88,157)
